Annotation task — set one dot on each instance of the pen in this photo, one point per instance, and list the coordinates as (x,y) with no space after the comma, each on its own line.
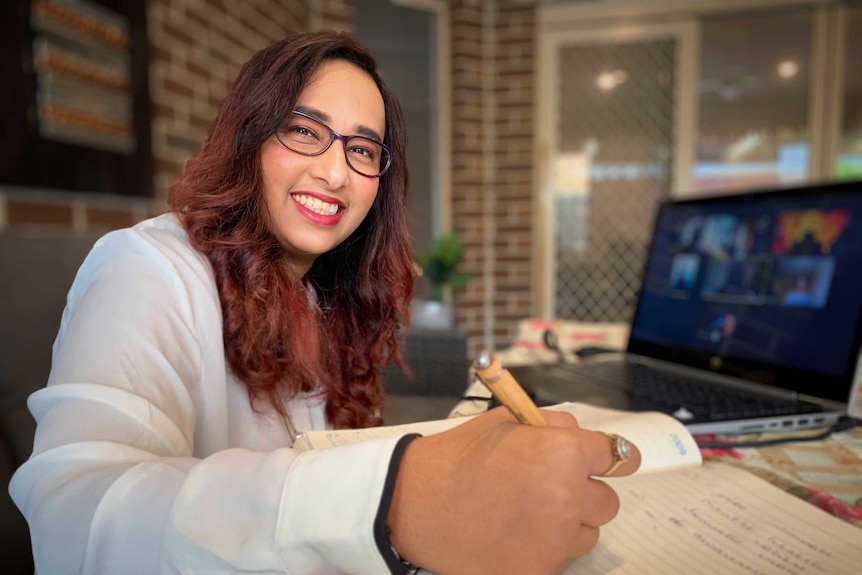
(507,390)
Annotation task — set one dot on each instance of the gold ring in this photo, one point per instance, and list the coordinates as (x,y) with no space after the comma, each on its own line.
(622,450)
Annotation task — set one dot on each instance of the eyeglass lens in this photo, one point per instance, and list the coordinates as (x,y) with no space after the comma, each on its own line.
(310,137)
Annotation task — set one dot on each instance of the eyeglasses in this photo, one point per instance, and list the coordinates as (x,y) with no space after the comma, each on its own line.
(304,135)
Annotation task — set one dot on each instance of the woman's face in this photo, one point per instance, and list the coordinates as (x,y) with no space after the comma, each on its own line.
(316,202)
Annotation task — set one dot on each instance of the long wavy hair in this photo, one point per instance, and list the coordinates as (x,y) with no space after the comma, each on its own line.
(333,330)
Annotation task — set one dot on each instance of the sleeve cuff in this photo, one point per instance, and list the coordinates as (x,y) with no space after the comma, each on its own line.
(381,532)
(320,528)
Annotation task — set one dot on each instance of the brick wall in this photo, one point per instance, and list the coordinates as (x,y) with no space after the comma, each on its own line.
(471,193)
(492,68)
(514,128)
(196,50)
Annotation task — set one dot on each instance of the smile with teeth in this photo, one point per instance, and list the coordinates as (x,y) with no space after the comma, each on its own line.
(316,205)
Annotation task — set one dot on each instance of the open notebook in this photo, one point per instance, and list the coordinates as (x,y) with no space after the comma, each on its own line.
(678,515)
(749,316)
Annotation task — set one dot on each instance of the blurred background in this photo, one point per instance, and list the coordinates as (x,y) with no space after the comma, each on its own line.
(542,132)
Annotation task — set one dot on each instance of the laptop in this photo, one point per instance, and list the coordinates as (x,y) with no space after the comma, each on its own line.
(747,319)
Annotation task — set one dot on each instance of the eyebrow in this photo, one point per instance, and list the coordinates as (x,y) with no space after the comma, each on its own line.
(325,118)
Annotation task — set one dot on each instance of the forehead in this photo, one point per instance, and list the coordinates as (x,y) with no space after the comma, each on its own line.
(346,95)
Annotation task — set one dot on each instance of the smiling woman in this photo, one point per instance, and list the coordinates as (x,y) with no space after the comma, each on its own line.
(319,194)
(196,345)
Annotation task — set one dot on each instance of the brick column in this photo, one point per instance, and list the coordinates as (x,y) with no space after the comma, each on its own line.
(492,80)
(515,129)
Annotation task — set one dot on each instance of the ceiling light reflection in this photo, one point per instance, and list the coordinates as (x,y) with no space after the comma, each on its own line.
(788,68)
(607,81)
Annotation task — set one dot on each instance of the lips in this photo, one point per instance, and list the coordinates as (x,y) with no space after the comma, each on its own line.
(316,205)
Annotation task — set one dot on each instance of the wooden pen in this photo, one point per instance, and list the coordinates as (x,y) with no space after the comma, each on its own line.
(507,390)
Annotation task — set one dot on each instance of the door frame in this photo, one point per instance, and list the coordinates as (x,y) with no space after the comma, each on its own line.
(551,37)
(441,171)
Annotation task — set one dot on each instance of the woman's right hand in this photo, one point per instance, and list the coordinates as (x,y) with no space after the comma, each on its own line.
(495,496)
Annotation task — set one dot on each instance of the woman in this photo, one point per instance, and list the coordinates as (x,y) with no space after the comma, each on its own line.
(195,346)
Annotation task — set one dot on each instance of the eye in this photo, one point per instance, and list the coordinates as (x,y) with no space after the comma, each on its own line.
(364,150)
(300,131)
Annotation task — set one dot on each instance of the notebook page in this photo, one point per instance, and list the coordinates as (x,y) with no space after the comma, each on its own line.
(717,519)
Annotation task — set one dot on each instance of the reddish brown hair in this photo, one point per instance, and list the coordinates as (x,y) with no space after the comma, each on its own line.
(276,341)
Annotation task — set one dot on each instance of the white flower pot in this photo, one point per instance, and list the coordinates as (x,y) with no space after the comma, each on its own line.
(431,314)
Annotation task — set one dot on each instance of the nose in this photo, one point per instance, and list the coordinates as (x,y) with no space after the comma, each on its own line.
(332,165)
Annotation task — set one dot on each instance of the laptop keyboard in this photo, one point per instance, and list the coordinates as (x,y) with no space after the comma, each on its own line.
(665,391)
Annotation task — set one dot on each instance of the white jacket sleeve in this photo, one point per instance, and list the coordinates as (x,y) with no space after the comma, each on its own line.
(115,483)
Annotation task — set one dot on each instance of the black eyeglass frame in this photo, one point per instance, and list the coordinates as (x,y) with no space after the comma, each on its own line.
(344,139)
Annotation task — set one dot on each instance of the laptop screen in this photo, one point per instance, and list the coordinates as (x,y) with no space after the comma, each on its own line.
(766,286)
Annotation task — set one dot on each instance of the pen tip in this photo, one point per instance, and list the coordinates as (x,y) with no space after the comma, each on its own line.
(485,359)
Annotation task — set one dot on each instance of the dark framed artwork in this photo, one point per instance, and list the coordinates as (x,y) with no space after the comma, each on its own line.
(76,114)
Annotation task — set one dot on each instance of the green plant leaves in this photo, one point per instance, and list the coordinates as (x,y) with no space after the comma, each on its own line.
(440,263)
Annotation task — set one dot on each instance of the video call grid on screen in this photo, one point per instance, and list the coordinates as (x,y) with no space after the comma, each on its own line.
(773,277)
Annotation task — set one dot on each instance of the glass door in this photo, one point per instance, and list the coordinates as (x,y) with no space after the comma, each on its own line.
(614,105)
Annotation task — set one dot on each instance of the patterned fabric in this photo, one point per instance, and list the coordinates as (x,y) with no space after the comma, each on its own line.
(826,473)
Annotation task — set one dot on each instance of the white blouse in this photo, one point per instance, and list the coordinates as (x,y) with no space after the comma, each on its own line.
(148,457)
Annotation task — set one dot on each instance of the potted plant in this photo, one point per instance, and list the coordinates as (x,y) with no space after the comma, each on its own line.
(439,267)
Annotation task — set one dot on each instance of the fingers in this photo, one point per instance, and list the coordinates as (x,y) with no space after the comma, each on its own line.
(598,447)
(586,539)
(601,503)
(600,453)
(559,418)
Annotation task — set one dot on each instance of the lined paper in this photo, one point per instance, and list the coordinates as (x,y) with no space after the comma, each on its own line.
(718,519)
